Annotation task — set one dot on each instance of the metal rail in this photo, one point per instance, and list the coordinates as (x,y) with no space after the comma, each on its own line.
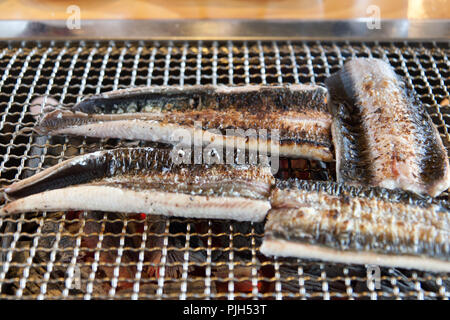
(358,29)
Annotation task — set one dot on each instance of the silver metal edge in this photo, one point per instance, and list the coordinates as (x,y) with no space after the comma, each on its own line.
(357,29)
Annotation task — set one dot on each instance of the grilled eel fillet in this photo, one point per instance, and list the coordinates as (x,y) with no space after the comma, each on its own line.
(382,133)
(333,222)
(214,115)
(145,180)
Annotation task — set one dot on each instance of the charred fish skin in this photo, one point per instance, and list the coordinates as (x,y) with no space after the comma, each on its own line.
(254,99)
(145,180)
(90,167)
(382,134)
(298,112)
(331,221)
(149,168)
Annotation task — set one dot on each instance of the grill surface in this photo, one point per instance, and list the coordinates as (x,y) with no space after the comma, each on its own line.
(88,255)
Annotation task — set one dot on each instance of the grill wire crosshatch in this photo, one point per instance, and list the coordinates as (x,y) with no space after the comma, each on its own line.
(96,255)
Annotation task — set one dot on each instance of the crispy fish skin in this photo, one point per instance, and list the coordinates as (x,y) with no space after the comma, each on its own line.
(382,134)
(145,180)
(298,112)
(248,98)
(330,221)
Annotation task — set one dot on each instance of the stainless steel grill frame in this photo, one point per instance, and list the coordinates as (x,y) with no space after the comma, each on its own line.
(51,256)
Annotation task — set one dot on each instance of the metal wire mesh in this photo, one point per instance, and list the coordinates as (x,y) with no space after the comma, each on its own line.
(93,255)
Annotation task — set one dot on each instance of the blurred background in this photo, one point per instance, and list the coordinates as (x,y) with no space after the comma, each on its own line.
(220,9)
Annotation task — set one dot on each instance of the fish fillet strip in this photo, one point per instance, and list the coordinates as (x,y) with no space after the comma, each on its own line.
(145,180)
(332,223)
(295,118)
(284,248)
(110,199)
(398,145)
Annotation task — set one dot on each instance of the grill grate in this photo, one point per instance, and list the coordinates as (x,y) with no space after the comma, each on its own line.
(92,255)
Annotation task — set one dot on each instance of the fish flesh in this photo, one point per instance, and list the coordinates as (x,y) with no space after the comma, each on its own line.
(145,180)
(382,134)
(334,222)
(295,117)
